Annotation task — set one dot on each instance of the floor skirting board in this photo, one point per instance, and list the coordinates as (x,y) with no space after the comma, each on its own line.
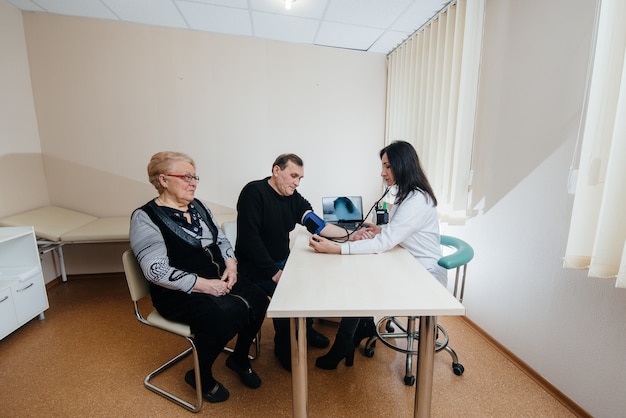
(549,387)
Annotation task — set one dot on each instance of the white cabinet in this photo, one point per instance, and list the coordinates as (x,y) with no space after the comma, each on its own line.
(8,320)
(22,288)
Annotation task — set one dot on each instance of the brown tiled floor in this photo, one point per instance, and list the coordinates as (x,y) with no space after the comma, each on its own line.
(89,356)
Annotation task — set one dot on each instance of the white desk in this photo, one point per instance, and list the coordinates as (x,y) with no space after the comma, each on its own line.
(330,285)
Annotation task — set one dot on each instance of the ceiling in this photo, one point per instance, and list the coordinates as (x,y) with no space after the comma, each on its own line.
(375,26)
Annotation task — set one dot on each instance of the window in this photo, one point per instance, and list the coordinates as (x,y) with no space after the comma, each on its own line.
(597,236)
(432,89)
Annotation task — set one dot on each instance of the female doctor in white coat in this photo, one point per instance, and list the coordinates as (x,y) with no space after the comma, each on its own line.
(413,224)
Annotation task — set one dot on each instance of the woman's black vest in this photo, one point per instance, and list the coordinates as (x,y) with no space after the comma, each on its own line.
(185,252)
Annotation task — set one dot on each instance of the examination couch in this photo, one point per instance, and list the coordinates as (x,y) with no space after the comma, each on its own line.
(56,226)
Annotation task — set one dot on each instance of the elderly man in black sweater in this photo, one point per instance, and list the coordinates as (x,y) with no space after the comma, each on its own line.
(267,211)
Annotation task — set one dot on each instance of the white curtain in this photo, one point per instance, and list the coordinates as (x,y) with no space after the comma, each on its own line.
(431,100)
(597,235)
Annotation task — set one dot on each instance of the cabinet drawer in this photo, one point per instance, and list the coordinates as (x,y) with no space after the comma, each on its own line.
(30,299)
(8,320)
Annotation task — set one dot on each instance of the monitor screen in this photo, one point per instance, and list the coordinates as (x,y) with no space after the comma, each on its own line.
(342,208)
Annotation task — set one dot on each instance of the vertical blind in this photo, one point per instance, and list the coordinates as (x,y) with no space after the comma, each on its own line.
(432,89)
(597,235)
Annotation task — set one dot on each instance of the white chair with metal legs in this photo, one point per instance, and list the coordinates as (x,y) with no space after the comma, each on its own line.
(139,289)
(404,339)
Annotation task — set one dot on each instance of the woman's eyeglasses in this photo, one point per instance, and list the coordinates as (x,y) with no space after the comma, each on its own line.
(187,177)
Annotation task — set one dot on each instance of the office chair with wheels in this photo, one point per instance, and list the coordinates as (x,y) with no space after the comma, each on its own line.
(139,288)
(408,331)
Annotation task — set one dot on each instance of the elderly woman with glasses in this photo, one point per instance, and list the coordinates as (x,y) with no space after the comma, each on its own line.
(192,271)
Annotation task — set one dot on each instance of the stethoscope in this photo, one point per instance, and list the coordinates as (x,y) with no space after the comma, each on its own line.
(375,205)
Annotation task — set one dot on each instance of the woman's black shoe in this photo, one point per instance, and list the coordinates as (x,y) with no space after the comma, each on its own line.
(365,329)
(342,348)
(218,393)
(245,372)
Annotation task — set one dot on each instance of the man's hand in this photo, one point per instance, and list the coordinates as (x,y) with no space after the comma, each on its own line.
(323,245)
(276,277)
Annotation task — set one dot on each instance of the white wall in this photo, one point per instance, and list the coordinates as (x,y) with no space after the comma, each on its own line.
(569,328)
(109,95)
(22,180)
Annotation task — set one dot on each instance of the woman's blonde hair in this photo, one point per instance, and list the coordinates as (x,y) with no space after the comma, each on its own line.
(161,163)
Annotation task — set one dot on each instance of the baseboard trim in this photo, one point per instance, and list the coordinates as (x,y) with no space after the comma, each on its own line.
(53,282)
(547,386)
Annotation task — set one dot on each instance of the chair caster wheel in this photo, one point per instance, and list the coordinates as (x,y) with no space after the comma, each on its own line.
(458,369)
(409,380)
(369,352)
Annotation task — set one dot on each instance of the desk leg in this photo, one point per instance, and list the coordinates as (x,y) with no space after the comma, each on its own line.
(425,366)
(299,378)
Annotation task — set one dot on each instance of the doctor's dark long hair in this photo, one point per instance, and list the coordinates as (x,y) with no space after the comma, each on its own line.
(407,171)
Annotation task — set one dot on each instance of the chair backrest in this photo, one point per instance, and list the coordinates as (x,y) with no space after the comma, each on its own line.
(458,260)
(230,230)
(463,254)
(137,283)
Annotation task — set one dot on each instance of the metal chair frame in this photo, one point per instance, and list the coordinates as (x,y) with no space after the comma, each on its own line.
(410,332)
(139,289)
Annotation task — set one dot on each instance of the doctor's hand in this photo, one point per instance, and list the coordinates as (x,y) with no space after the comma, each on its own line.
(323,245)
(366,231)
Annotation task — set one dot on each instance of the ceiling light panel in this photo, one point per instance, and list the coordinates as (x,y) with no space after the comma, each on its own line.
(239,4)
(300,8)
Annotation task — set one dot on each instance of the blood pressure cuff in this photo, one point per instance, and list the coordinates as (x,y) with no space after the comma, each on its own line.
(314,224)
